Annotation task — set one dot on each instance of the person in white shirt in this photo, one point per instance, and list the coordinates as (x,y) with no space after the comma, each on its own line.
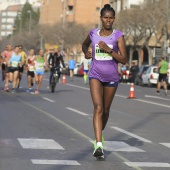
(86,64)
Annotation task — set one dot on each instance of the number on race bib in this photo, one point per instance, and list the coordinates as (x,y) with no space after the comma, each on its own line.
(14,64)
(101,54)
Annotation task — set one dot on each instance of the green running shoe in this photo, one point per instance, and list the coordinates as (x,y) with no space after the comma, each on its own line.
(98,151)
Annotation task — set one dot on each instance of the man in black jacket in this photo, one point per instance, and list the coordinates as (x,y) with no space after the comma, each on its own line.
(133,71)
(54,62)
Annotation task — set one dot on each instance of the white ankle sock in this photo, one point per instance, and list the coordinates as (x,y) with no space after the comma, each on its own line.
(99,143)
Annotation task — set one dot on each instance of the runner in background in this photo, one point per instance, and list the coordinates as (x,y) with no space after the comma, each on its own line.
(13,63)
(21,68)
(40,66)
(6,58)
(86,64)
(71,66)
(30,69)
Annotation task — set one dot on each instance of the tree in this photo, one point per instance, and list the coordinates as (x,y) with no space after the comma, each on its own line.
(24,16)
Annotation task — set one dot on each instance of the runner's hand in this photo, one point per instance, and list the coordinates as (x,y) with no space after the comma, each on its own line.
(88,55)
(104,46)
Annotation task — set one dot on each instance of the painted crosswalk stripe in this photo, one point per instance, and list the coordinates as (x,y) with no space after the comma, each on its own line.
(54,162)
(131,134)
(148,164)
(119,146)
(166,144)
(39,144)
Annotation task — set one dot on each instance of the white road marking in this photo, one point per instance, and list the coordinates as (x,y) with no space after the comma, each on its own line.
(166,144)
(57,120)
(54,162)
(39,144)
(131,134)
(48,99)
(154,103)
(144,101)
(156,97)
(80,87)
(148,164)
(77,111)
(120,146)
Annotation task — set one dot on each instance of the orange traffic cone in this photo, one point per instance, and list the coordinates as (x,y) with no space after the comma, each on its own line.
(64,79)
(132,92)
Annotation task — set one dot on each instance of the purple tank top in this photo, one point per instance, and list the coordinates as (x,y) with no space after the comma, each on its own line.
(104,67)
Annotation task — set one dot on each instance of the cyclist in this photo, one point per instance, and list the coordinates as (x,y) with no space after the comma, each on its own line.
(54,62)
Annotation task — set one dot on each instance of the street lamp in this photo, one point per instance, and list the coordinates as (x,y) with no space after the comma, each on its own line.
(20,21)
(30,21)
(101,2)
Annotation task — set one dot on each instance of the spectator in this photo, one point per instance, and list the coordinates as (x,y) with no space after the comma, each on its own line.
(162,69)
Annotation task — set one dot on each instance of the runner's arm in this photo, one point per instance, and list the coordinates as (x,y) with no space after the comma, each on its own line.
(62,61)
(85,47)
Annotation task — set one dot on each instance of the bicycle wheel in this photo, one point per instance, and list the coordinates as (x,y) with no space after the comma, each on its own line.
(53,84)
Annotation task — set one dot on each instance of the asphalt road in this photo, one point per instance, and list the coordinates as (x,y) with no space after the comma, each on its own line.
(54,131)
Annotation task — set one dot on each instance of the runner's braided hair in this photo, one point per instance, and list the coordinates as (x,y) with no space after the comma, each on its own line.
(107,7)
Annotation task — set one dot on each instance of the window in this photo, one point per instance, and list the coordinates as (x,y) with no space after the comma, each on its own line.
(97,9)
(70,7)
(12,14)
(9,27)
(3,20)
(3,26)
(10,20)
(3,33)
(3,13)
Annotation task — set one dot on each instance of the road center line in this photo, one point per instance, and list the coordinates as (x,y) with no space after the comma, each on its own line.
(131,134)
(71,128)
(48,99)
(140,100)
(156,97)
(77,111)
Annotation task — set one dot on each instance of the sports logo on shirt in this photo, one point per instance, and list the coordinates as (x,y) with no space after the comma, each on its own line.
(101,54)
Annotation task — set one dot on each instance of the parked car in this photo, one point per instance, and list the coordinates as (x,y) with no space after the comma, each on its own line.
(168,77)
(80,71)
(138,78)
(150,76)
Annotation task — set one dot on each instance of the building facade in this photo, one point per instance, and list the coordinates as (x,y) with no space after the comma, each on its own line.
(8,12)
(79,11)
(7,19)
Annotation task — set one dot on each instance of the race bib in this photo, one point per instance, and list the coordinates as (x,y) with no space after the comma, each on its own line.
(14,64)
(101,54)
(40,65)
(31,68)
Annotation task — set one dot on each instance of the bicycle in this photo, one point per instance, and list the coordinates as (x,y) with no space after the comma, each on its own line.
(54,80)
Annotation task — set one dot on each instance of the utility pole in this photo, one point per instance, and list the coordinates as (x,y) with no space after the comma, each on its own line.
(64,14)
(30,12)
(101,2)
(166,28)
